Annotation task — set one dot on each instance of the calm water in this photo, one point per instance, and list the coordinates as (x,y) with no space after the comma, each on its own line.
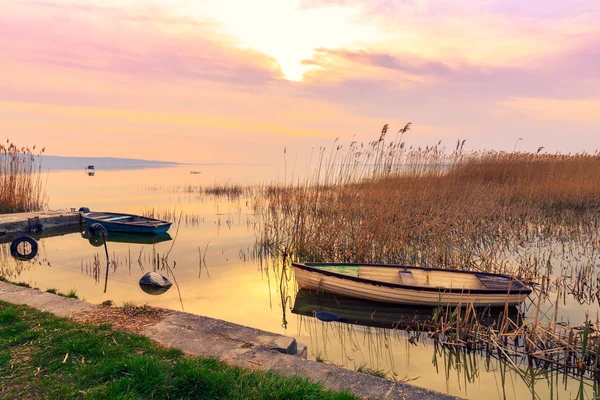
(230,285)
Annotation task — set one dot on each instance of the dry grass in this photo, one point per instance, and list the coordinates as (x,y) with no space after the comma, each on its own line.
(129,318)
(20,179)
(423,207)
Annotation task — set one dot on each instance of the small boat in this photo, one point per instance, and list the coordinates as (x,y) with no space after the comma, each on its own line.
(126,223)
(411,285)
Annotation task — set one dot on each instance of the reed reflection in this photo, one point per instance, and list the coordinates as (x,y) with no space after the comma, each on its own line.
(464,341)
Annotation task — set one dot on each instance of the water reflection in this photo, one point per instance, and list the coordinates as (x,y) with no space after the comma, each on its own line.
(384,315)
(126,238)
(384,339)
(384,333)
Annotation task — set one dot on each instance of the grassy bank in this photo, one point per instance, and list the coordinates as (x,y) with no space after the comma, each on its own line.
(43,356)
(21,186)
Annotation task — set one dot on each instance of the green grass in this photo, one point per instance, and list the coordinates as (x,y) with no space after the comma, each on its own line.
(43,356)
(71,294)
(362,368)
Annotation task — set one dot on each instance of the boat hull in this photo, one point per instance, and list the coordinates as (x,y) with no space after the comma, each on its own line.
(312,278)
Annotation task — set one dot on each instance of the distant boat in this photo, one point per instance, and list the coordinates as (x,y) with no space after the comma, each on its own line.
(195,172)
(411,285)
(90,167)
(126,223)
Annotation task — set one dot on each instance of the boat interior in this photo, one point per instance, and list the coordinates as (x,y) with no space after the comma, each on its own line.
(427,278)
(129,219)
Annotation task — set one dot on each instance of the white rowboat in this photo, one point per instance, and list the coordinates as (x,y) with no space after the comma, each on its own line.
(411,285)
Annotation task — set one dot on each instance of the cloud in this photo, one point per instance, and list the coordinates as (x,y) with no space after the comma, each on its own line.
(405,63)
(578,111)
(147,14)
(121,41)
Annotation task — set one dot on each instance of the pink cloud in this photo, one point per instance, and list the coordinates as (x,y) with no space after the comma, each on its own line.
(147,13)
(405,63)
(110,39)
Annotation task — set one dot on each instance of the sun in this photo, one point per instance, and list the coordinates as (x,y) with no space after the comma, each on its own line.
(286,31)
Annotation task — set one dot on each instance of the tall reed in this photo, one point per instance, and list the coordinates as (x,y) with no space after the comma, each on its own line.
(21,187)
(385,203)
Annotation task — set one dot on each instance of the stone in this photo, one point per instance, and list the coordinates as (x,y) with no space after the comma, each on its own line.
(154,283)
(285,345)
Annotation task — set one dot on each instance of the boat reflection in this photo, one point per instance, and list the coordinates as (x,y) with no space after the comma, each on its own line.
(325,306)
(96,241)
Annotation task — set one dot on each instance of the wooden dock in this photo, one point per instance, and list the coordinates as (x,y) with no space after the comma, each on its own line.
(32,222)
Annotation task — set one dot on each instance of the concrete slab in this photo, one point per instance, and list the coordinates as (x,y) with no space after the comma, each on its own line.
(43,301)
(213,337)
(23,222)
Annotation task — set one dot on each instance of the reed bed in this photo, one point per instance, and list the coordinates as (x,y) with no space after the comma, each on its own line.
(173,215)
(21,187)
(524,340)
(535,216)
(203,192)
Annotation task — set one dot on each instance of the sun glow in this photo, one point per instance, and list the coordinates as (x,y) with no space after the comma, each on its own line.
(285,31)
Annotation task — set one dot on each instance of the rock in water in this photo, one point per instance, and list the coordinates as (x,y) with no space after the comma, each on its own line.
(154,283)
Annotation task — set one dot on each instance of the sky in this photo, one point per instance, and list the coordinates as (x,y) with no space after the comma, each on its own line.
(240,81)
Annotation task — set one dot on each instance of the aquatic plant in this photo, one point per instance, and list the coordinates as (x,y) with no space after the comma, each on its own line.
(21,187)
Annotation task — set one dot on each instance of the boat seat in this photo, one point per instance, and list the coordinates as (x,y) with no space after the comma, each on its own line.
(117,218)
(389,275)
(406,278)
(496,282)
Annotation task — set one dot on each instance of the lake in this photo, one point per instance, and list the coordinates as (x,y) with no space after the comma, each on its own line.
(217,274)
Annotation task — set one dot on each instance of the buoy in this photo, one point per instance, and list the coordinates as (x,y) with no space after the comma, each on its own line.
(154,283)
(97,235)
(98,230)
(24,255)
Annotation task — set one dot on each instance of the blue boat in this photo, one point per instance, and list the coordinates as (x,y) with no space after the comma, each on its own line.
(126,223)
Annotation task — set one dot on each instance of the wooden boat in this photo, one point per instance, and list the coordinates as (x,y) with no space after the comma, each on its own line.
(411,285)
(355,311)
(127,223)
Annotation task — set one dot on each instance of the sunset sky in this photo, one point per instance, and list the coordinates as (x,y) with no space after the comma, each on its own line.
(237,81)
